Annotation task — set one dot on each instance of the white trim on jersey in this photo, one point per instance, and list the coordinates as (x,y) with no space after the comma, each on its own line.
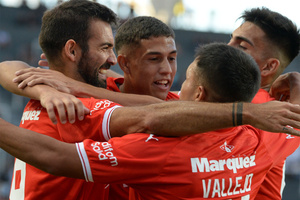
(105,122)
(84,162)
(18,193)
(283,179)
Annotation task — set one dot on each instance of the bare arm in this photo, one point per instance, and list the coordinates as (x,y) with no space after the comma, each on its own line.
(51,99)
(182,118)
(33,148)
(8,69)
(34,76)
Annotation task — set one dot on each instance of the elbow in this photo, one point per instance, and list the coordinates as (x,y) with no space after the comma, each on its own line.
(51,167)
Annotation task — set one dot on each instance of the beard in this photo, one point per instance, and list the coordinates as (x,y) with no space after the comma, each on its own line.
(89,73)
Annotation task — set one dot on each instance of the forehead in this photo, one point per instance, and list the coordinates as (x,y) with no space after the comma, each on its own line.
(250,31)
(158,44)
(192,69)
(101,32)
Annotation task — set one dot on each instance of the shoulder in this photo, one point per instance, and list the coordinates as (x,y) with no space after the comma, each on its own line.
(262,96)
(113,84)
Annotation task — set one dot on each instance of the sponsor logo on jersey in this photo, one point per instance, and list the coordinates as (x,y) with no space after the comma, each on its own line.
(151,137)
(105,152)
(32,115)
(205,165)
(226,147)
(101,105)
(288,136)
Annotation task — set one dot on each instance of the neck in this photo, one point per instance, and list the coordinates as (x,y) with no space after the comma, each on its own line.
(266,87)
(122,88)
(128,88)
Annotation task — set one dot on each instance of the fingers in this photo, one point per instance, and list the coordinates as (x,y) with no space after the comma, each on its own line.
(43,63)
(62,110)
(81,110)
(290,130)
(51,113)
(66,109)
(32,76)
(291,122)
(27,70)
(43,56)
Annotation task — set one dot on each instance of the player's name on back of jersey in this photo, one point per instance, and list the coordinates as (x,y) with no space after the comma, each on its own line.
(227,187)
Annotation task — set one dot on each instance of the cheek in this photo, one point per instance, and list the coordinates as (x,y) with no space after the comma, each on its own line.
(183,90)
(174,70)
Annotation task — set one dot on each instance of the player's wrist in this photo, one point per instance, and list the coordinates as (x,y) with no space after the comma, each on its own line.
(245,114)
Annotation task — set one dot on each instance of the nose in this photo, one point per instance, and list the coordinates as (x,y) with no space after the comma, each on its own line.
(112,58)
(232,43)
(166,67)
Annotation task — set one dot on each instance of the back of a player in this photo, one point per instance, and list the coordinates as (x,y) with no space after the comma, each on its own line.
(31,183)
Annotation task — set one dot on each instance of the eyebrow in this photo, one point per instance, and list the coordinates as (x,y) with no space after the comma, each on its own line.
(107,43)
(156,52)
(244,39)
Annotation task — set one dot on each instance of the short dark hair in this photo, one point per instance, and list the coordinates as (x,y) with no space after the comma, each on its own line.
(229,73)
(132,31)
(71,20)
(280,30)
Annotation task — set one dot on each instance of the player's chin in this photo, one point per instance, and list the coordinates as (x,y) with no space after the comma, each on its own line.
(161,95)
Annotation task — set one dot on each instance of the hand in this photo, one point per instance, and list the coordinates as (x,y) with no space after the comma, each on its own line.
(52,78)
(43,62)
(274,116)
(280,88)
(66,106)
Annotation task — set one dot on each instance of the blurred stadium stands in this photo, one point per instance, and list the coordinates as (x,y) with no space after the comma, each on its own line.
(19,29)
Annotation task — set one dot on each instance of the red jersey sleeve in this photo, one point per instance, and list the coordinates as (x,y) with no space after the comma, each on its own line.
(280,145)
(113,161)
(94,125)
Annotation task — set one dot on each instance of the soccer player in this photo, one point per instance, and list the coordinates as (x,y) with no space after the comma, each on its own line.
(273,41)
(228,163)
(126,35)
(78,41)
(81,54)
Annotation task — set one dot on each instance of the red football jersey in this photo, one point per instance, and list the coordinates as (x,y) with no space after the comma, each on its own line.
(225,164)
(31,183)
(121,191)
(273,185)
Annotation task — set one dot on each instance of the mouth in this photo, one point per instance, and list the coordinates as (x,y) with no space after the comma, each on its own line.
(162,83)
(103,71)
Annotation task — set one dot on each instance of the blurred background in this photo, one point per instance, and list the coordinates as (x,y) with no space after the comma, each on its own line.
(194,22)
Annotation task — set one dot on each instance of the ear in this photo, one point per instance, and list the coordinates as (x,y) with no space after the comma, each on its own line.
(200,94)
(123,63)
(270,68)
(71,50)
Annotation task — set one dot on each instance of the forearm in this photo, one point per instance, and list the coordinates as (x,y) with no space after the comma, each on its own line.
(197,117)
(8,69)
(85,90)
(176,118)
(183,118)
(33,148)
